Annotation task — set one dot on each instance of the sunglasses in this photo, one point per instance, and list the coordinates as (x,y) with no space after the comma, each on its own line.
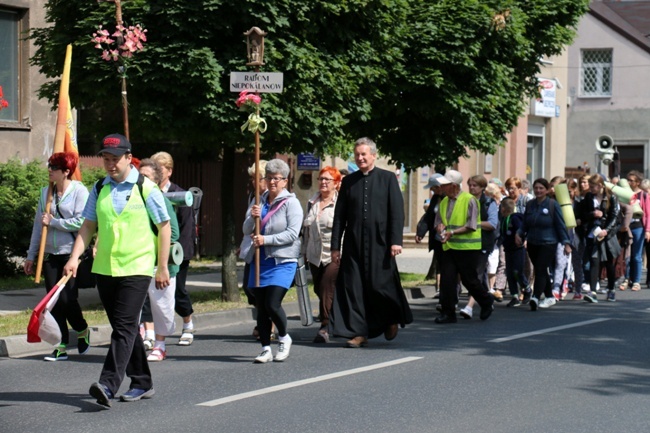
(53,167)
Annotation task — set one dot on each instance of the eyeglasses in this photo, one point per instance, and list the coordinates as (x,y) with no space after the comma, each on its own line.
(275,179)
(53,167)
(325,179)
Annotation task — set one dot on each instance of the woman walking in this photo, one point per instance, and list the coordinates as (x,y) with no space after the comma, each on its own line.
(62,222)
(543,229)
(317,239)
(598,213)
(279,245)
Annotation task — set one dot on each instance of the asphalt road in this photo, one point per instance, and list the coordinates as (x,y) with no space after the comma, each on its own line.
(576,367)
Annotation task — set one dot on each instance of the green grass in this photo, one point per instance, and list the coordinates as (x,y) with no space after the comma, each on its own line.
(19,282)
(410,280)
(202,301)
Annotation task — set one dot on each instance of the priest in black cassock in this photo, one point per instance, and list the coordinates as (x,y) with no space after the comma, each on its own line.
(369,218)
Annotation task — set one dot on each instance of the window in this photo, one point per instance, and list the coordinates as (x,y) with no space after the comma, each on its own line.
(9,64)
(535,154)
(596,73)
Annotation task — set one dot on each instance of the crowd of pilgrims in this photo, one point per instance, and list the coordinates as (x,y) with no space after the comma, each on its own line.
(598,253)
(540,244)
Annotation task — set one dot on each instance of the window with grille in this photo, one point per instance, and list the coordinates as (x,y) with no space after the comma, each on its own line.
(596,73)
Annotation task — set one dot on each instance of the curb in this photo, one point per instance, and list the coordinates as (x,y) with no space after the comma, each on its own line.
(17,346)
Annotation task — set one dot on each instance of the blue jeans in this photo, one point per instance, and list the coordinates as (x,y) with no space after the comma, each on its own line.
(636,255)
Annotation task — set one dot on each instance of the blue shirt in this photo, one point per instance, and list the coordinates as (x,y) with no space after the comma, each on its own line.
(120,194)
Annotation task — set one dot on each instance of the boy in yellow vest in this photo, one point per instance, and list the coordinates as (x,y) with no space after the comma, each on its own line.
(459,224)
(126,255)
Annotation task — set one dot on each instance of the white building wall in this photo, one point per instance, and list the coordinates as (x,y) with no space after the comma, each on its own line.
(625,115)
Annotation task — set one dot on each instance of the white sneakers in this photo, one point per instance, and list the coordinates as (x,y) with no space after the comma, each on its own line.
(284,347)
(283,351)
(264,357)
(466,312)
(547,302)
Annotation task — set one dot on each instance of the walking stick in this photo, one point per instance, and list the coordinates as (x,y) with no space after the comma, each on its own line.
(41,249)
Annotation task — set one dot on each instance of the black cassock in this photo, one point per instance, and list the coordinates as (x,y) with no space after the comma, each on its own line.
(369,217)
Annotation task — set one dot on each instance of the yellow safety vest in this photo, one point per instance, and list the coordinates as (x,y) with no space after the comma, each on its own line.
(126,244)
(466,241)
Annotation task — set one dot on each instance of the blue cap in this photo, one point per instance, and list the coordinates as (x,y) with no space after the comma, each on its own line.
(433,181)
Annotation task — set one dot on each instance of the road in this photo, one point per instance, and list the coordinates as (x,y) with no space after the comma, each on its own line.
(576,367)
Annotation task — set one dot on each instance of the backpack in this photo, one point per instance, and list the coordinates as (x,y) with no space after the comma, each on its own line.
(140,182)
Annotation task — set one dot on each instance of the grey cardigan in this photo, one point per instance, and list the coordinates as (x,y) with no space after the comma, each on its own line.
(64,226)
(281,233)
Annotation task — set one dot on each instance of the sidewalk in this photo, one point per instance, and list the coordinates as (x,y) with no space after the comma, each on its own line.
(415,260)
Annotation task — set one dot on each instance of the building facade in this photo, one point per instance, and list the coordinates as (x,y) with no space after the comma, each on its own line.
(609,90)
(27,125)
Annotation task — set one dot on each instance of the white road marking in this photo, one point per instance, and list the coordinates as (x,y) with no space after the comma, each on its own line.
(547,330)
(298,383)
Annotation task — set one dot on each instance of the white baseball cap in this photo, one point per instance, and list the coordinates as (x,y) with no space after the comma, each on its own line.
(451,176)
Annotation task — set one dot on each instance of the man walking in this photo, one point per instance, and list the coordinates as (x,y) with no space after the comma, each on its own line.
(369,299)
(459,226)
(121,211)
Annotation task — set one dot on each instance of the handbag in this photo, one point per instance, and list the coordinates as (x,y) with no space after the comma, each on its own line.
(85,278)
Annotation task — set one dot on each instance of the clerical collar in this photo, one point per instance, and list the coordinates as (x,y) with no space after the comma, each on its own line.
(368,172)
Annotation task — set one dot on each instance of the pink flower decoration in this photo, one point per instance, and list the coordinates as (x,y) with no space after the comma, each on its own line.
(131,37)
(248,99)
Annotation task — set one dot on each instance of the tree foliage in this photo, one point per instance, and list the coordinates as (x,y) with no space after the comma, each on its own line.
(428,79)
(20,185)
(469,67)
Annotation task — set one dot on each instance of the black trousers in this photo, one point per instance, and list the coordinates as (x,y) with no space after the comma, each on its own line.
(183,306)
(515,260)
(543,258)
(67,308)
(248,290)
(268,301)
(123,298)
(591,265)
(470,265)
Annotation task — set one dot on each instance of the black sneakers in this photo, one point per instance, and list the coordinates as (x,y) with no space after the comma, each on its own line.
(59,354)
(83,341)
(514,302)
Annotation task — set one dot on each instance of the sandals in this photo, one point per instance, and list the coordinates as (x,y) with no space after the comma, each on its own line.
(148,344)
(187,337)
(623,285)
(636,287)
(157,355)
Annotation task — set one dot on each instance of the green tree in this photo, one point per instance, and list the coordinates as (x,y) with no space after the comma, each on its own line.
(469,69)
(428,79)
(20,185)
